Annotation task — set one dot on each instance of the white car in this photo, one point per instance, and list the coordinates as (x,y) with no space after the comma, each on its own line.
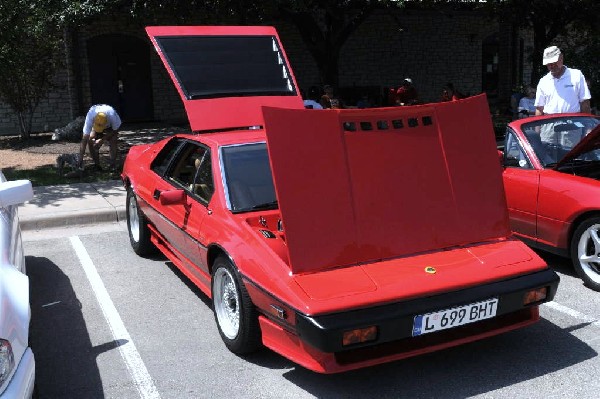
(17,363)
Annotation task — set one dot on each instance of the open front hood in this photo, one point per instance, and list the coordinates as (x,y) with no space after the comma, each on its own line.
(590,142)
(224,74)
(357,186)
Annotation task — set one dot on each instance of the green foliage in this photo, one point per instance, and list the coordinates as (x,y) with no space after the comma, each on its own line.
(30,44)
(324,25)
(549,20)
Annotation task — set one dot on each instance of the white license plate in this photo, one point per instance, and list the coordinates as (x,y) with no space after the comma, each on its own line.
(454,317)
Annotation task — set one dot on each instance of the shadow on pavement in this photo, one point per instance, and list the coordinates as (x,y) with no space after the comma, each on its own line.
(464,371)
(65,358)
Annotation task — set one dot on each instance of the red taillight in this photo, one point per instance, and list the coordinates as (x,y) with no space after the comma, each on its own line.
(359,335)
(536,295)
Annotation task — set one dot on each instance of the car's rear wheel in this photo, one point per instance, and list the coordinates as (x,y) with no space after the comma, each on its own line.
(137,226)
(236,316)
(585,252)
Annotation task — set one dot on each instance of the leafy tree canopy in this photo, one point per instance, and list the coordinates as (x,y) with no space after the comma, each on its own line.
(29,43)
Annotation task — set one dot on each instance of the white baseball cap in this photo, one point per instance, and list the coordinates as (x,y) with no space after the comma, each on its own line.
(551,55)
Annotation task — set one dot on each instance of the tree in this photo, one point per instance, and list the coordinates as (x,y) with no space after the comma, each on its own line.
(30,44)
(548,19)
(324,25)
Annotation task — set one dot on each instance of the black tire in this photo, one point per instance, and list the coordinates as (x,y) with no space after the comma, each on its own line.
(137,227)
(585,252)
(235,314)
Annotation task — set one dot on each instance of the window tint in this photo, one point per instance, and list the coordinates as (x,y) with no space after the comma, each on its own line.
(219,66)
(202,185)
(248,178)
(161,162)
(514,156)
(553,138)
(192,171)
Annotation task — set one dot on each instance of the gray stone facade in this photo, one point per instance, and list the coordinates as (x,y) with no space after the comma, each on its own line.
(432,48)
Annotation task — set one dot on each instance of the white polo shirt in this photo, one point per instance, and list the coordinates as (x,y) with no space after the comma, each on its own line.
(564,94)
(114,121)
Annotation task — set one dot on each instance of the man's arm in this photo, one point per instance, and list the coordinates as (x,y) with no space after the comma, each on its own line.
(539,110)
(585,107)
(89,122)
(84,143)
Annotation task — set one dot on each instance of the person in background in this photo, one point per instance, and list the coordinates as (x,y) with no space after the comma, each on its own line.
(329,100)
(515,98)
(562,89)
(101,125)
(527,104)
(310,101)
(449,93)
(364,101)
(407,93)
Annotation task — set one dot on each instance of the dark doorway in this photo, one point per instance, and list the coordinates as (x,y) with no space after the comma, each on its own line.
(120,75)
(489,64)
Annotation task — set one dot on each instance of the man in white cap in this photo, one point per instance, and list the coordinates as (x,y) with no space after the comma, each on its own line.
(563,89)
(101,125)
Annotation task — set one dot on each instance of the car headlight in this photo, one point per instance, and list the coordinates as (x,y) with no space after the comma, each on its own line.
(7,360)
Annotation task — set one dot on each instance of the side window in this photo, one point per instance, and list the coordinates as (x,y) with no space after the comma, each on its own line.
(514,156)
(192,171)
(161,162)
(202,185)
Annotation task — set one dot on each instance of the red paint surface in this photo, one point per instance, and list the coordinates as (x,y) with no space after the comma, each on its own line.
(379,194)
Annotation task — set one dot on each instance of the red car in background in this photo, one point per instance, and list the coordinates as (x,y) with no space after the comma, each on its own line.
(337,238)
(552,182)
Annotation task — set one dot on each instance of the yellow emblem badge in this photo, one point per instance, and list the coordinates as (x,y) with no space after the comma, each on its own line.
(430,270)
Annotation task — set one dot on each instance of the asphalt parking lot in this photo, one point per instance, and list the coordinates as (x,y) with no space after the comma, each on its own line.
(109,324)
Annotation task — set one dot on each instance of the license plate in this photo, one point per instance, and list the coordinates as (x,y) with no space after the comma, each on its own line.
(454,317)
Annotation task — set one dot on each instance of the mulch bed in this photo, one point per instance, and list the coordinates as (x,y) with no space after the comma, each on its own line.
(40,143)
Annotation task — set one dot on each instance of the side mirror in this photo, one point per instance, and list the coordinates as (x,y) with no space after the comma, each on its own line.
(172,197)
(15,192)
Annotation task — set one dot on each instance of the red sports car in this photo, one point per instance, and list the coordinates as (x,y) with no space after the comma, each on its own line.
(551,177)
(337,238)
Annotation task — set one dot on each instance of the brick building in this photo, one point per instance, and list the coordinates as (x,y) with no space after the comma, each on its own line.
(113,62)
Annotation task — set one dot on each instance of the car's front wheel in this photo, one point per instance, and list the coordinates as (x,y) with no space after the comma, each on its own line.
(137,226)
(236,316)
(585,252)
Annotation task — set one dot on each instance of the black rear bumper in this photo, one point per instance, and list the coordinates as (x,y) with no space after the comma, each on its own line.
(395,320)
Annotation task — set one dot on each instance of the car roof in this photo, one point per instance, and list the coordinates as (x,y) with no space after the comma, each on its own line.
(230,137)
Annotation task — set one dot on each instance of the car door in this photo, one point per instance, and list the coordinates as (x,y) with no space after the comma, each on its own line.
(521,184)
(189,172)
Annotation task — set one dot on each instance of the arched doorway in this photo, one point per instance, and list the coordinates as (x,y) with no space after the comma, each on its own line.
(120,75)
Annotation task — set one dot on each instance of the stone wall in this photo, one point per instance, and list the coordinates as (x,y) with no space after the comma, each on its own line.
(432,48)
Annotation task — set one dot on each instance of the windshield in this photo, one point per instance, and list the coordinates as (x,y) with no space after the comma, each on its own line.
(248,180)
(552,139)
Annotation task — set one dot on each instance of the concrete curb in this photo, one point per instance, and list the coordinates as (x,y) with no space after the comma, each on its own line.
(67,219)
(74,205)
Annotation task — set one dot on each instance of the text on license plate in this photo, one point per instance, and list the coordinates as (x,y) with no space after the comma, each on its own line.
(454,317)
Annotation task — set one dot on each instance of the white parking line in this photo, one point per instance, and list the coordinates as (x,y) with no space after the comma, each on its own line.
(573,313)
(135,365)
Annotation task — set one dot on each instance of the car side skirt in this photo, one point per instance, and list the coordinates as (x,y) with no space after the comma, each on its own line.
(197,277)
(563,252)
